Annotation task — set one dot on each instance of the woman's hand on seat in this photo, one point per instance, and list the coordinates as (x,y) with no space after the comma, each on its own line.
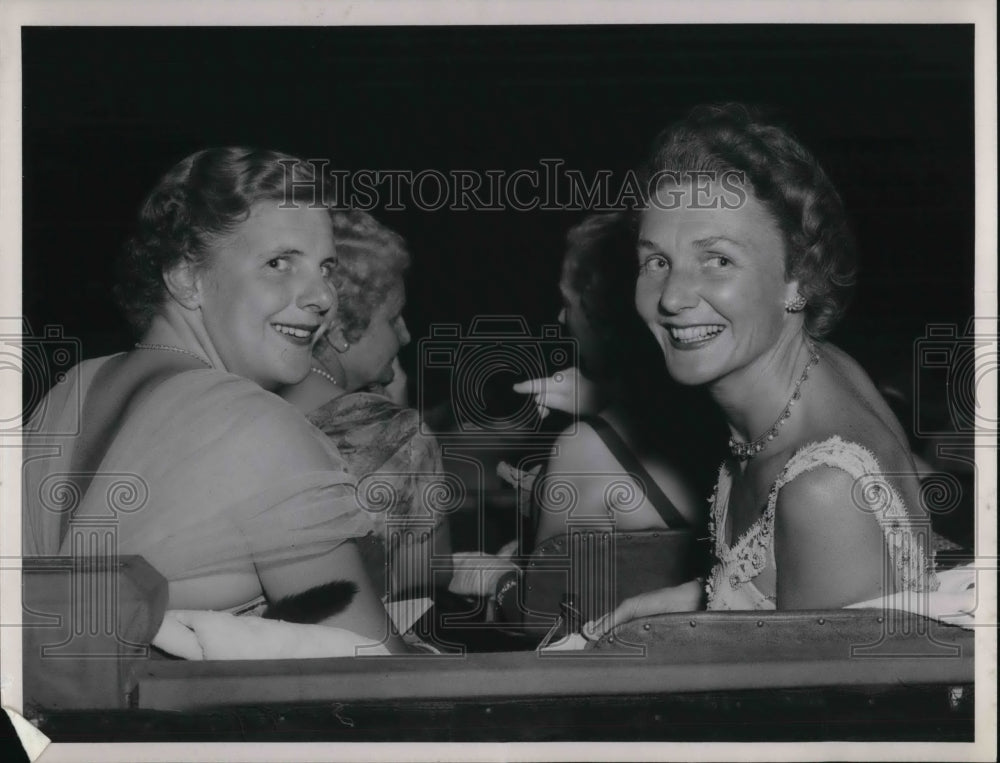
(567,390)
(686,597)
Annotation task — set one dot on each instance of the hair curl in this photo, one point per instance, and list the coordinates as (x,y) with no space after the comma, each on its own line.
(371,261)
(200,200)
(787,179)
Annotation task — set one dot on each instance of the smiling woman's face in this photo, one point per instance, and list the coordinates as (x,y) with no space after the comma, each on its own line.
(264,292)
(711,284)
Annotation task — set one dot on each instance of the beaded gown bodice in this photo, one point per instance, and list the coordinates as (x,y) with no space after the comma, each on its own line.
(731,582)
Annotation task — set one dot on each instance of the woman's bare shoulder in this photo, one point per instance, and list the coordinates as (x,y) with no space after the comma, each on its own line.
(578,448)
(828,551)
(582,445)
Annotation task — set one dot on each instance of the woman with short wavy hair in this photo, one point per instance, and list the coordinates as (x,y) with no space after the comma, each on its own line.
(239,501)
(731,144)
(745,265)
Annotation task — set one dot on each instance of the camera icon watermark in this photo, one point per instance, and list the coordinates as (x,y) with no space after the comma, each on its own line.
(41,361)
(497,350)
(959,364)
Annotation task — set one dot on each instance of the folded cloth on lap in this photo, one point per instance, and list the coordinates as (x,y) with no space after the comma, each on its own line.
(954,602)
(206,635)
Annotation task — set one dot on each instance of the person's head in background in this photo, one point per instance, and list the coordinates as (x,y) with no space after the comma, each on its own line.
(598,277)
(368,329)
(617,349)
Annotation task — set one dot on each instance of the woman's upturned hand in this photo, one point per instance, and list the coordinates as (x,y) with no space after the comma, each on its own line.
(567,390)
(685,597)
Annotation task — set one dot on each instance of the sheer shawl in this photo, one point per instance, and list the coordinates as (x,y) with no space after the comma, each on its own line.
(399,471)
(196,480)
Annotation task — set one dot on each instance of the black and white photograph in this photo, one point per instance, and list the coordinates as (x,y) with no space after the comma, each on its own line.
(499,381)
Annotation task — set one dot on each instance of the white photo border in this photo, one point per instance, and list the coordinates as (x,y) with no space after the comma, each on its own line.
(14,14)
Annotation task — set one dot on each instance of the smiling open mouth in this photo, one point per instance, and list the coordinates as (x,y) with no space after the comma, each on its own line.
(691,335)
(298,334)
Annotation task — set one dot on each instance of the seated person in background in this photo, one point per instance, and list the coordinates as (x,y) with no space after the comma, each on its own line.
(820,495)
(222,487)
(356,395)
(644,429)
(641,420)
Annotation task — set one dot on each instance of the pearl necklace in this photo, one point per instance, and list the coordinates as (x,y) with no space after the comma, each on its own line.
(171,348)
(325,375)
(747,450)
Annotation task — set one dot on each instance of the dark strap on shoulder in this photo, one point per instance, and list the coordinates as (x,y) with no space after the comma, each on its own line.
(663,505)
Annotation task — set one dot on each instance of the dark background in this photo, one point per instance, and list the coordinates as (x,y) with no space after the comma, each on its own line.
(888,110)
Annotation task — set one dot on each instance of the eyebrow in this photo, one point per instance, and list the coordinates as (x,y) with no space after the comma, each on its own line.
(643,243)
(704,243)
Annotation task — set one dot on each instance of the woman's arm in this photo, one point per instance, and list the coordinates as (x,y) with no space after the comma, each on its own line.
(685,597)
(331,513)
(364,615)
(828,549)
